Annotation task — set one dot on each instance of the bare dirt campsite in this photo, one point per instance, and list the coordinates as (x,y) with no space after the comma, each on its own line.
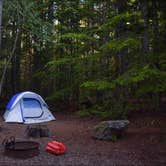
(143,144)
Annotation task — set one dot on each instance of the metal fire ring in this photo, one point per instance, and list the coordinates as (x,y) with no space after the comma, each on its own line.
(11,144)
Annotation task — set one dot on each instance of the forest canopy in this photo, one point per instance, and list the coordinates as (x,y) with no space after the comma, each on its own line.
(99,57)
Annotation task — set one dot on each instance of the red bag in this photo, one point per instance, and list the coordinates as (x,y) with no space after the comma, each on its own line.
(55,147)
(51,150)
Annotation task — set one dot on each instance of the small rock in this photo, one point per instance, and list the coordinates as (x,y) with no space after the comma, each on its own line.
(110,130)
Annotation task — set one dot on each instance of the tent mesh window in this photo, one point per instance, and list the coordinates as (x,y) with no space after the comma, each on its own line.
(31,103)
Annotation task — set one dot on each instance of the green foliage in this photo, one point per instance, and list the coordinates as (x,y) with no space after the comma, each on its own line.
(118,45)
(106,106)
(91,52)
(125,18)
(148,80)
(97,85)
(77,36)
(61,94)
(153,79)
(83,113)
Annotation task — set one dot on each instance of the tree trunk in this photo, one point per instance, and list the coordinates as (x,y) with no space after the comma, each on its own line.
(155,26)
(120,7)
(9,60)
(1,3)
(145,42)
(16,67)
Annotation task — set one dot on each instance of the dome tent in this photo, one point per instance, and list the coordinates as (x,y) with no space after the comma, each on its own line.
(27,107)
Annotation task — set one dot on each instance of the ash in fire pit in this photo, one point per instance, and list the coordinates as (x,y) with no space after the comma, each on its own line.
(37,131)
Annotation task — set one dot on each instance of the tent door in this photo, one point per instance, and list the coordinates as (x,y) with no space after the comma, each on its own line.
(31,108)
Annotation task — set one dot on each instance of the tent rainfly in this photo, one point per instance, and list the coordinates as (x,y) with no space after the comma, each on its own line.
(27,107)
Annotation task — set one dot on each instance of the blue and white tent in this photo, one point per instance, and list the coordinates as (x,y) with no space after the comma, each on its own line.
(27,107)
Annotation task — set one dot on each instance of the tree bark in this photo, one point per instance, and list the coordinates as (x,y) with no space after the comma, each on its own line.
(155,26)
(1,4)
(16,66)
(9,60)
(145,42)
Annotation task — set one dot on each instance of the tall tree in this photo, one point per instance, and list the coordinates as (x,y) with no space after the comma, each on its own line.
(1,4)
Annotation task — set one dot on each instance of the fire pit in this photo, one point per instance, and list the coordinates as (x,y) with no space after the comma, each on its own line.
(20,149)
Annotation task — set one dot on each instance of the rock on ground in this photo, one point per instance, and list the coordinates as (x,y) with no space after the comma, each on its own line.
(110,130)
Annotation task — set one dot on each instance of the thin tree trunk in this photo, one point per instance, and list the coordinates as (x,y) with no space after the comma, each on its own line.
(155,26)
(1,4)
(9,60)
(120,7)
(145,41)
(16,66)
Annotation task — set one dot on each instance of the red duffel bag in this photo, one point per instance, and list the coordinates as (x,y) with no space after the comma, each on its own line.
(55,147)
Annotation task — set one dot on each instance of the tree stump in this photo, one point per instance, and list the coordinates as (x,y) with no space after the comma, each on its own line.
(37,131)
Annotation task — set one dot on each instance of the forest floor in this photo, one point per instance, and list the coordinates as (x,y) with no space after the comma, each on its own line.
(143,144)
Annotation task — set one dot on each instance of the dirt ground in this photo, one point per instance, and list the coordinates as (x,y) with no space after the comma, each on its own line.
(143,144)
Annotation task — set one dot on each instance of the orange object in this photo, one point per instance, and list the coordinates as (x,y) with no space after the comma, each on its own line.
(55,147)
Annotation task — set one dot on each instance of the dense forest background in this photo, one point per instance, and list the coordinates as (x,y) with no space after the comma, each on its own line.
(99,57)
